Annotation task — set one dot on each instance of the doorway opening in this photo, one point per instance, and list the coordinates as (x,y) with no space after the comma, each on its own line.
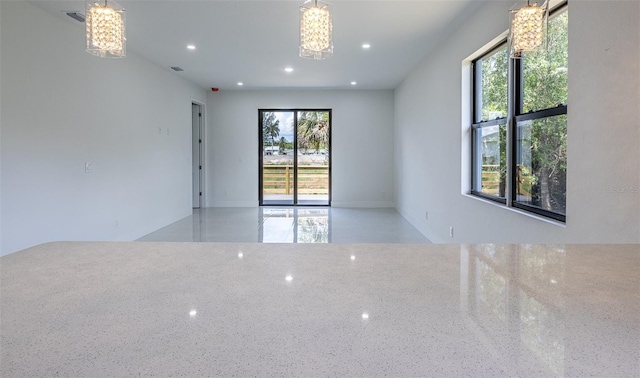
(196,152)
(295,157)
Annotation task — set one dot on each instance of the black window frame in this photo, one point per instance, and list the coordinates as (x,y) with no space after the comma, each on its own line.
(530,116)
(515,114)
(476,76)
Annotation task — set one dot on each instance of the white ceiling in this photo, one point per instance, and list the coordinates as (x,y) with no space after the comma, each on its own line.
(252,41)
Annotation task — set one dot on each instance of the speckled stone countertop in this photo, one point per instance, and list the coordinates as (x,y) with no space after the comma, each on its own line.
(226,309)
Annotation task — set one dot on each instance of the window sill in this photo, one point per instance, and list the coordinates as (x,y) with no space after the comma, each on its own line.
(516,210)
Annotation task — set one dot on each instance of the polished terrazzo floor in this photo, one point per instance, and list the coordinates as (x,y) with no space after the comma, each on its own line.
(291,225)
(161,309)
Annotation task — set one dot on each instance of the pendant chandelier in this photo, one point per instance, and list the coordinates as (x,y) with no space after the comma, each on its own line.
(528,28)
(316,30)
(105,26)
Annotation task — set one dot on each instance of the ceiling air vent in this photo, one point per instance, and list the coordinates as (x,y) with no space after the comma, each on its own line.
(76,16)
(177,69)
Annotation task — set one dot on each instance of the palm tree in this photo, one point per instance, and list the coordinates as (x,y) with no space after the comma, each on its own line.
(282,143)
(313,130)
(270,127)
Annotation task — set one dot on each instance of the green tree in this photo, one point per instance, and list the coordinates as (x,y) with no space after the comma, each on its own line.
(313,130)
(545,86)
(494,85)
(493,104)
(282,144)
(270,128)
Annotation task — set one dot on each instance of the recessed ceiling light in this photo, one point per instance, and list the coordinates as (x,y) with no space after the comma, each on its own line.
(191,47)
(288,69)
(353,83)
(240,83)
(366,46)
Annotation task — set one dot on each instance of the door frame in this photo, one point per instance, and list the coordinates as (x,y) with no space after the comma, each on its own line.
(201,154)
(295,155)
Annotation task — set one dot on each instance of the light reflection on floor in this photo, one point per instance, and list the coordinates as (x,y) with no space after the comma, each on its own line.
(295,225)
(291,225)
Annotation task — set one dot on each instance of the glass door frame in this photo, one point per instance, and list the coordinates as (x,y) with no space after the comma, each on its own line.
(295,112)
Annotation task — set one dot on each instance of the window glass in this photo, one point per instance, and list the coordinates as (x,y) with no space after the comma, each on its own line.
(545,72)
(491,150)
(541,161)
(491,85)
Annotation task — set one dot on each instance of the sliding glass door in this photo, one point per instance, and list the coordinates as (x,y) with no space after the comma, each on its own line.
(277,158)
(295,159)
(312,152)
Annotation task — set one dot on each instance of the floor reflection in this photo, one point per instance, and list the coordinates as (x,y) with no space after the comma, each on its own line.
(302,224)
(513,300)
(294,225)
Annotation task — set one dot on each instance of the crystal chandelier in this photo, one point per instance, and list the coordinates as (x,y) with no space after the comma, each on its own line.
(316,30)
(105,25)
(528,28)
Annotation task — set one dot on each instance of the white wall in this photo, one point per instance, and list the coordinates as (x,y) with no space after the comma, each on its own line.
(431,138)
(362,144)
(62,107)
(0,136)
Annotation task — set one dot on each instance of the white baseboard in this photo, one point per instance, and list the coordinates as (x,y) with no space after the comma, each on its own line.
(433,238)
(363,204)
(234,204)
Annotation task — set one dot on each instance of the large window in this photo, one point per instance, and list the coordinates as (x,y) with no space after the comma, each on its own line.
(519,130)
